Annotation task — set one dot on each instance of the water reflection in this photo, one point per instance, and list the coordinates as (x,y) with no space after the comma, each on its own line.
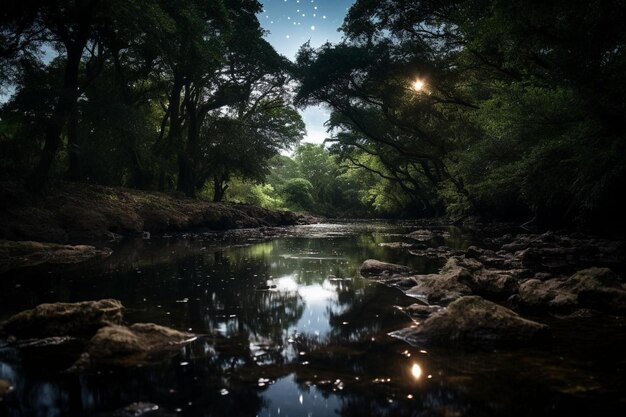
(416,371)
(287,328)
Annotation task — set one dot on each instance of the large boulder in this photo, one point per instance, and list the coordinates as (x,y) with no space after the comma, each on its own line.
(137,344)
(475,322)
(445,287)
(597,288)
(496,284)
(64,319)
(374,268)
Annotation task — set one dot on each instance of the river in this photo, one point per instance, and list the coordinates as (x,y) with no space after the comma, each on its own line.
(287,327)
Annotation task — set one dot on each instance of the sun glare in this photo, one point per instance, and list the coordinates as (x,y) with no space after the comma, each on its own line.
(418,85)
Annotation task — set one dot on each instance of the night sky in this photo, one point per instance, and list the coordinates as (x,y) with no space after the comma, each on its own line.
(291,23)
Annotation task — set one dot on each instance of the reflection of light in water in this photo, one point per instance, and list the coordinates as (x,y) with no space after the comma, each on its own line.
(286,284)
(416,371)
(315,293)
(287,396)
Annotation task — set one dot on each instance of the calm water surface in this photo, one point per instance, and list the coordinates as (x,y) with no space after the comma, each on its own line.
(290,329)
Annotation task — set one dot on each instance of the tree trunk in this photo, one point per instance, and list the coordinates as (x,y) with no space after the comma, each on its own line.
(186,174)
(219,189)
(62,111)
(186,182)
(73,147)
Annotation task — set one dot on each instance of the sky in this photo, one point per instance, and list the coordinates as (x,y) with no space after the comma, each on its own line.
(291,23)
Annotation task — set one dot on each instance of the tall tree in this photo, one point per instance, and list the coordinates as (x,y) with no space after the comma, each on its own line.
(489,102)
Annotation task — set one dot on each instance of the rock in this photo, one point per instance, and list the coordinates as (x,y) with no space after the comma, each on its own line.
(136,410)
(495,284)
(596,288)
(5,388)
(514,247)
(139,409)
(599,288)
(583,313)
(558,253)
(23,254)
(420,311)
(514,301)
(474,252)
(137,344)
(403,283)
(57,352)
(535,294)
(475,322)
(421,235)
(436,253)
(443,288)
(64,319)
(374,268)
(471,265)
(542,276)
(396,245)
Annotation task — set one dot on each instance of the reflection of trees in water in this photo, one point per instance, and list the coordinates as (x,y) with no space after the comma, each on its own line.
(430,402)
(195,388)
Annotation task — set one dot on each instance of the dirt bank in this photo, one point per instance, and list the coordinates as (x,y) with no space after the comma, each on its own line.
(81,213)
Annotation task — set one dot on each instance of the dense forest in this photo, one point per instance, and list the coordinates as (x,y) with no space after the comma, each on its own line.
(497,109)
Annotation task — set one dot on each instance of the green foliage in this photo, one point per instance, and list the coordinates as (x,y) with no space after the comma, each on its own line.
(520,115)
(315,180)
(262,195)
(298,194)
(521,112)
(150,94)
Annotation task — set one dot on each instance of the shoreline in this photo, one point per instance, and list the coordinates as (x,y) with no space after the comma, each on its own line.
(74,213)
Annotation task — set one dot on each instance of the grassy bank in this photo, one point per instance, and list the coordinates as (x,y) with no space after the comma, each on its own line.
(81,213)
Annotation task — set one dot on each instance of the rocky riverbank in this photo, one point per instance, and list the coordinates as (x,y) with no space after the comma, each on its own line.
(477,297)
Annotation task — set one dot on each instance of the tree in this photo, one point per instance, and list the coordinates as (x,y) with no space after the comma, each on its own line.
(243,144)
(298,194)
(508,118)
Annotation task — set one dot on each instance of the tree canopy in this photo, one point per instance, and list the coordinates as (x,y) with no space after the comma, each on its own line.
(502,109)
(510,110)
(155,94)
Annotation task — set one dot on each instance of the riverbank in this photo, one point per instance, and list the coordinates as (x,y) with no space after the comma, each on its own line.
(477,297)
(77,213)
